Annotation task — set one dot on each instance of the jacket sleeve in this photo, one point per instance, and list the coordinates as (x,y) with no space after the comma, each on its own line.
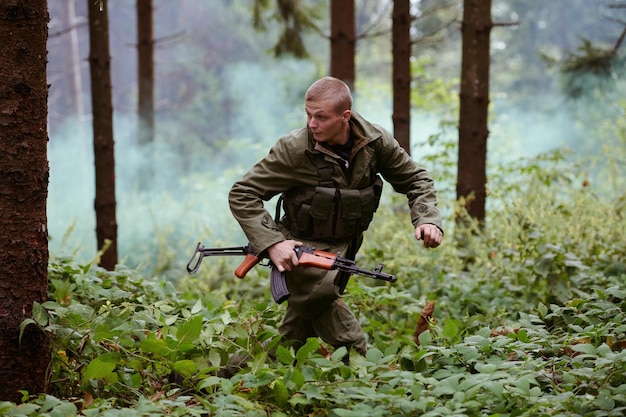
(267,178)
(406,176)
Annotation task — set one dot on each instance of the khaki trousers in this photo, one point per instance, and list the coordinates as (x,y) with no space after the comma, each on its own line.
(336,325)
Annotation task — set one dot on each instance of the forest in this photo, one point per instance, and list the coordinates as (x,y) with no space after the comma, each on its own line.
(519,313)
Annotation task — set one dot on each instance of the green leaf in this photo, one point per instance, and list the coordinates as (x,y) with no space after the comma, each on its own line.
(49,403)
(604,350)
(425,338)
(185,367)
(157,346)
(312,392)
(64,409)
(543,310)
(23,325)
(190,331)
(486,368)
(311,345)
(259,361)
(339,354)
(450,328)
(102,333)
(605,401)
(215,359)
(416,391)
(197,307)
(495,387)
(98,368)
(374,355)
(522,336)
(342,412)
(297,378)
(280,392)
(587,348)
(284,355)
(523,385)
(40,314)
(208,382)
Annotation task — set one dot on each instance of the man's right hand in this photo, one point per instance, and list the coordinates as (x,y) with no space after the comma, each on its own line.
(283,256)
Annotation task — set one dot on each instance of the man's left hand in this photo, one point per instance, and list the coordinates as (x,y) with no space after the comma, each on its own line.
(430,234)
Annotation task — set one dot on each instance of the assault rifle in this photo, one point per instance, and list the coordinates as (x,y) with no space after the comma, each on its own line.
(307,257)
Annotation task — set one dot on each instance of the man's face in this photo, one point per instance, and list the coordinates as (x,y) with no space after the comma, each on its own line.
(326,124)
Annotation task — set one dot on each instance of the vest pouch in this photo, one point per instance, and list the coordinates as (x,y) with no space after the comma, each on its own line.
(349,215)
(370,198)
(301,222)
(330,214)
(323,212)
(297,205)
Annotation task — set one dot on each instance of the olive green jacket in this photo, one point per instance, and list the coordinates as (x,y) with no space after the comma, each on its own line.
(292,163)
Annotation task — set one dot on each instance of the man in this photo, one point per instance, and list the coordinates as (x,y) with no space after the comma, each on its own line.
(327,175)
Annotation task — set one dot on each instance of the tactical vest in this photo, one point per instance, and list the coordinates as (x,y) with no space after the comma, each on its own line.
(328,213)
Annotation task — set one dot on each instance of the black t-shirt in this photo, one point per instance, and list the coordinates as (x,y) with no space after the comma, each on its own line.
(344,150)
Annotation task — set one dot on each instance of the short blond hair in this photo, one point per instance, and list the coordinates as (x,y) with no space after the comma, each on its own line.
(330,89)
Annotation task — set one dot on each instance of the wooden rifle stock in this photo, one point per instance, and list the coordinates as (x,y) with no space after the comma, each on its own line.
(249,261)
(316,258)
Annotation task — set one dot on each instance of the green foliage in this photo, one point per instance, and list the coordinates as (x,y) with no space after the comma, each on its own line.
(294,18)
(593,68)
(528,321)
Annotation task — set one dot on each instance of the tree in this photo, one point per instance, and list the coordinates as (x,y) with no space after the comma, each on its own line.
(401,72)
(474,102)
(65,101)
(74,84)
(24,189)
(343,41)
(428,21)
(145,80)
(103,144)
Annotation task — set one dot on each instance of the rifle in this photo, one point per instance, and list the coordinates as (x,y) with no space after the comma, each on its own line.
(307,257)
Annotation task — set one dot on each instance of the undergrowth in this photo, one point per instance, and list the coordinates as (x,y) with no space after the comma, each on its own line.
(528,321)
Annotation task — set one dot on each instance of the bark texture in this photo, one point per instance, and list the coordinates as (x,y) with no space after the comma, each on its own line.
(145,70)
(23,194)
(474,102)
(401,73)
(103,144)
(145,78)
(343,41)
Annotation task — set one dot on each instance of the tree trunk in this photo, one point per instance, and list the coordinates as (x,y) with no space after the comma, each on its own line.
(401,73)
(342,41)
(74,93)
(103,144)
(23,193)
(145,78)
(474,102)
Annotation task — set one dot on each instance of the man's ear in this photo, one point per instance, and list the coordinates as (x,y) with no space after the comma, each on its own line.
(347,114)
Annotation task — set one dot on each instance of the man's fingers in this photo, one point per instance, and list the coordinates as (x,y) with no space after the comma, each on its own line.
(283,254)
(430,234)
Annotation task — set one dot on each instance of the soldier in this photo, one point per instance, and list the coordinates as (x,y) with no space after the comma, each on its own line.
(328,176)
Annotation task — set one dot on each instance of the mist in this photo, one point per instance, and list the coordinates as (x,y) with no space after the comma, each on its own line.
(196,157)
